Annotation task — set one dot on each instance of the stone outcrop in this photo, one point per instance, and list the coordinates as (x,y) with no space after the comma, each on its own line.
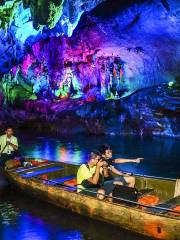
(114,70)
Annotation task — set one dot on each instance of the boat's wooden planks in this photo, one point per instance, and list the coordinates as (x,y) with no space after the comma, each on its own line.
(164,189)
(60,180)
(170,204)
(24,169)
(157,225)
(154,225)
(37,172)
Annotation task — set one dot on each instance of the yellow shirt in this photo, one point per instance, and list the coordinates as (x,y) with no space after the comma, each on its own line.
(8,149)
(84,173)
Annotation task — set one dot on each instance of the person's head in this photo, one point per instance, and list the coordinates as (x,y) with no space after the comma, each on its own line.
(94,157)
(9,131)
(106,151)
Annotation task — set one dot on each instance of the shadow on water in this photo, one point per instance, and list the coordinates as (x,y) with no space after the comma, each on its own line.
(22,217)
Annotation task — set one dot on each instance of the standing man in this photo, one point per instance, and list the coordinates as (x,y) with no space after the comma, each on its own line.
(8,146)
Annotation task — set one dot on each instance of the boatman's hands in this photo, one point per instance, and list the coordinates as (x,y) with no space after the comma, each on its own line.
(8,143)
(138,160)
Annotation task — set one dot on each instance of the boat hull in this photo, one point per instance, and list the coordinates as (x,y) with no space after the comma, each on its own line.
(131,218)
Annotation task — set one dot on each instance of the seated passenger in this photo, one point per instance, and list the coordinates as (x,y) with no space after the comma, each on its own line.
(124,178)
(88,177)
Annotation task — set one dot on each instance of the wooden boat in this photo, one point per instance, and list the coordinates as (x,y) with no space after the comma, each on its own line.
(49,181)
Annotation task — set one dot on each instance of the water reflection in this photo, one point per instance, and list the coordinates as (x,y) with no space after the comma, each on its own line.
(41,221)
(160,155)
(54,149)
(8,213)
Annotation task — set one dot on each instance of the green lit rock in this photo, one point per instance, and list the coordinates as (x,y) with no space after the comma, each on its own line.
(55,12)
(15,92)
(7,13)
(19,94)
(45,12)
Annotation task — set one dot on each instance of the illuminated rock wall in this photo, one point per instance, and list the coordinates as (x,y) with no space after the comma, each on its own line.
(125,53)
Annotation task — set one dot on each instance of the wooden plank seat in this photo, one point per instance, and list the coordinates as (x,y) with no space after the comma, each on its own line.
(59,180)
(40,172)
(23,169)
(71,189)
(63,182)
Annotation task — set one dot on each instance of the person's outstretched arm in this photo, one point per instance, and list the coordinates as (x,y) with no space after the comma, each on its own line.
(126,160)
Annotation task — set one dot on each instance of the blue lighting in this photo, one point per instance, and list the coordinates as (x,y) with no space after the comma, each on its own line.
(23,26)
(39,172)
(60,180)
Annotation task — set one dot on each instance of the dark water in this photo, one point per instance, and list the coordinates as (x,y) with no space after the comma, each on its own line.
(161,156)
(22,217)
(27,219)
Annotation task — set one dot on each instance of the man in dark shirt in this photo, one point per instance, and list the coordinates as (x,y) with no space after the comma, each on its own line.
(124,178)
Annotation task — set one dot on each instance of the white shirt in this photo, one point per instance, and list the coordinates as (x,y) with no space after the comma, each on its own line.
(8,149)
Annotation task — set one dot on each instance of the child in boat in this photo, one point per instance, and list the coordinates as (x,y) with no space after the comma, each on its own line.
(123,178)
(88,176)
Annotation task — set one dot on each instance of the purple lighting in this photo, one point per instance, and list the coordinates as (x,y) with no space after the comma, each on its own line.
(117,55)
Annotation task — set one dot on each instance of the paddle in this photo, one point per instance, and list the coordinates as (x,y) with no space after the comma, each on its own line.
(1,153)
(3,149)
